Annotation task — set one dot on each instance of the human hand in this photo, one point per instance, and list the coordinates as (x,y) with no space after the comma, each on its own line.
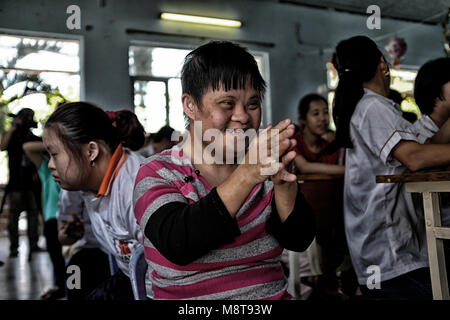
(74,229)
(262,159)
(286,173)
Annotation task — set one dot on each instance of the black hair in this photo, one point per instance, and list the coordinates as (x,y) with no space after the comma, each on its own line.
(410,116)
(303,106)
(395,96)
(149,137)
(163,133)
(130,130)
(356,59)
(430,79)
(78,123)
(219,64)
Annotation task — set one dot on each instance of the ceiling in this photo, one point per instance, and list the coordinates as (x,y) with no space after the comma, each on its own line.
(427,11)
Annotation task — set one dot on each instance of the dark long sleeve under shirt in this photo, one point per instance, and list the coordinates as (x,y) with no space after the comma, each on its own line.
(184,232)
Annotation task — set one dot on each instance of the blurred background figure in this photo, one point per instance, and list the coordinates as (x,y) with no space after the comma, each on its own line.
(147,150)
(50,195)
(397,97)
(162,139)
(23,184)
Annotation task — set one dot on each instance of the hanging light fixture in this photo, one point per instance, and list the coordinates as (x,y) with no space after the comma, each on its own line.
(201,20)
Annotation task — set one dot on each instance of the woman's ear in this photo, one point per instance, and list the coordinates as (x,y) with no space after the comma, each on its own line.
(189,106)
(93,150)
(384,66)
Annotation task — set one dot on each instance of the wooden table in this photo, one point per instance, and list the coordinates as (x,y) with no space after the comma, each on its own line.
(294,279)
(429,184)
(318,177)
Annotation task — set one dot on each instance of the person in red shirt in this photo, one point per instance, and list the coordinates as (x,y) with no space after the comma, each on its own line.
(312,154)
(325,197)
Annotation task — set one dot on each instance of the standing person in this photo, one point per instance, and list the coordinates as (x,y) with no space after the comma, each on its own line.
(383,227)
(74,228)
(215,229)
(50,195)
(89,151)
(22,181)
(324,196)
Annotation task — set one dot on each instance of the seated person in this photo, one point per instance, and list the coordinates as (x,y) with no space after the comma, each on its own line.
(74,228)
(147,149)
(162,139)
(432,90)
(216,229)
(93,151)
(325,197)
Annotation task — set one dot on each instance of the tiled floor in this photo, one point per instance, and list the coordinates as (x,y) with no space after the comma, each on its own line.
(21,279)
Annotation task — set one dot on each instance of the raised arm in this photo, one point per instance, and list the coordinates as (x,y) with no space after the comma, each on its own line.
(34,151)
(183,232)
(6,138)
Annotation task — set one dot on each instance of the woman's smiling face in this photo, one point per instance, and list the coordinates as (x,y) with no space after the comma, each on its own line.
(233,113)
(317,118)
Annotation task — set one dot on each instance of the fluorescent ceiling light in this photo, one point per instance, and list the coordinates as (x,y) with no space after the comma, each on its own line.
(201,20)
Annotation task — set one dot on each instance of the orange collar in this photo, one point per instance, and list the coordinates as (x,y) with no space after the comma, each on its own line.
(116,162)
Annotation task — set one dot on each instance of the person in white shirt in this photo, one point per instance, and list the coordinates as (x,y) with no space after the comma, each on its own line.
(74,229)
(385,230)
(90,151)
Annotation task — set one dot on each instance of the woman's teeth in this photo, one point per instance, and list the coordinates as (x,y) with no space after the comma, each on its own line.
(235,131)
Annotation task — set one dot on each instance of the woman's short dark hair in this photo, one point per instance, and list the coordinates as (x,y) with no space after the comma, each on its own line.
(303,106)
(430,79)
(78,123)
(219,64)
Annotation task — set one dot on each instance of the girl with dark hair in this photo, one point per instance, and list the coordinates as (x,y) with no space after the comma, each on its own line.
(89,152)
(312,153)
(313,156)
(384,228)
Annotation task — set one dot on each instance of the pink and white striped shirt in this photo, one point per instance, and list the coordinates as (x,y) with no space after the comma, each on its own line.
(249,267)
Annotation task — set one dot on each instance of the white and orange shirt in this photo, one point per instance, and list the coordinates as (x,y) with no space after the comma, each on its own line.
(111,209)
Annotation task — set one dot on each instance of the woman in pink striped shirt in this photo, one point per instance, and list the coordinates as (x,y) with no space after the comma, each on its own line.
(217,213)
